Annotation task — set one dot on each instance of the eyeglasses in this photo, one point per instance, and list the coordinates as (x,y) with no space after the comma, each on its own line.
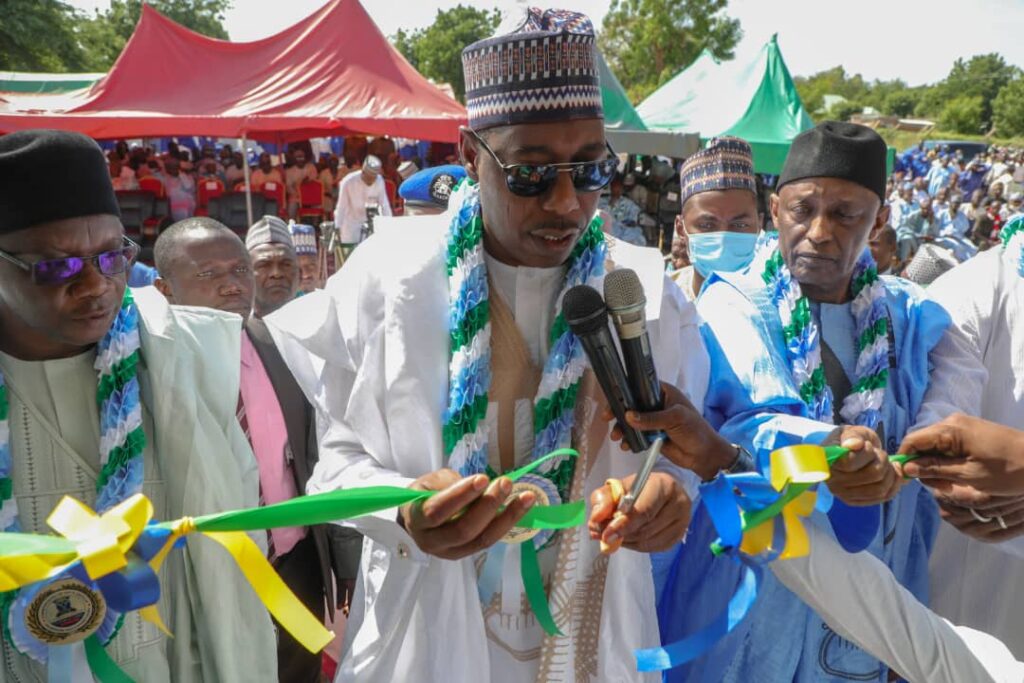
(61,271)
(533,180)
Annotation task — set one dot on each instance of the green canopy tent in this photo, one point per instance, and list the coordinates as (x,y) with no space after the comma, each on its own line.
(45,84)
(626,130)
(752,98)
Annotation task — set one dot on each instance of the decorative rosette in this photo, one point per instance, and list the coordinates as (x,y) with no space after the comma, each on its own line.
(550,497)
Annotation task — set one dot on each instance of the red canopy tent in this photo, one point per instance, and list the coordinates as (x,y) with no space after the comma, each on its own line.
(332,73)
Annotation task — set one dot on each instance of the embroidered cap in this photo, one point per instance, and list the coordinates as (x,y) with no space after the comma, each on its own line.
(432,186)
(268,230)
(304,238)
(726,164)
(544,69)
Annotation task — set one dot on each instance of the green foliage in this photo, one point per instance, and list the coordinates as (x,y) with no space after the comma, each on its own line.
(842,111)
(900,103)
(963,114)
(1008,109)
(647,42)
(436,51)
(104,35)
(835,81)
(38,35)
(981,76)
(49,35)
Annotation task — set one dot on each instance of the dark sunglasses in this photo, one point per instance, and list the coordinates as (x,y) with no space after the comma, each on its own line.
(533,180)
(61,271)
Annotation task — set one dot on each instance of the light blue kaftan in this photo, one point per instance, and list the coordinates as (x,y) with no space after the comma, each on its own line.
(753,401)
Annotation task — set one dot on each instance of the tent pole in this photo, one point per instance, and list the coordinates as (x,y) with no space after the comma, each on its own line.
(245,170)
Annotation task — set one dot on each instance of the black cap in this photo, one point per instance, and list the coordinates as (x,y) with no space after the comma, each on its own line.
(49,175)
(834,149)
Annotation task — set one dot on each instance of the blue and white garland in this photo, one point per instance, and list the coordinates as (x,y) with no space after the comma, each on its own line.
(1013,233)
(803,342)
(122,443)
(469,379)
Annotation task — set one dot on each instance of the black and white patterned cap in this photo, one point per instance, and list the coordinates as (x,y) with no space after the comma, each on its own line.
(543,69)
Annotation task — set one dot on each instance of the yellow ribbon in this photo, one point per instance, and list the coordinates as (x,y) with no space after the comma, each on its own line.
(794,466)
(102,542)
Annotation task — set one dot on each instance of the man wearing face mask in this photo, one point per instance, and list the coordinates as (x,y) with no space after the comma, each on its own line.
(719,216)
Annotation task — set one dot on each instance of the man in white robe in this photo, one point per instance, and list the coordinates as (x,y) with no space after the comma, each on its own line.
(975,582)
(372,352)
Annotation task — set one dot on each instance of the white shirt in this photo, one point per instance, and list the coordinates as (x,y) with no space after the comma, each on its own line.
(862,601)
(973,583)
(353,197)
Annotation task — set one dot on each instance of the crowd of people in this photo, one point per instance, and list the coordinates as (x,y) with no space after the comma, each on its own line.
(180,171)
(443,355)
(938,197)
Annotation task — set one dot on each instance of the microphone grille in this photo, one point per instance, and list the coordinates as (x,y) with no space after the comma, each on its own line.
(622,289)
(584,310)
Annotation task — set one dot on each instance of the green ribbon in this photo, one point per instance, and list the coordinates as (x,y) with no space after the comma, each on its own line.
(104,668)
(322,508)
(749,520)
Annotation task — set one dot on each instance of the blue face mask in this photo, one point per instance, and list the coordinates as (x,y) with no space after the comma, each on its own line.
(723,251)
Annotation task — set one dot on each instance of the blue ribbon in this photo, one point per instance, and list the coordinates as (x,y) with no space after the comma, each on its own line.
(682,651)
(490,575)
(724,497)
(58,663)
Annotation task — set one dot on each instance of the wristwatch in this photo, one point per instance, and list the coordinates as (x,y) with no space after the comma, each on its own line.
(744,461)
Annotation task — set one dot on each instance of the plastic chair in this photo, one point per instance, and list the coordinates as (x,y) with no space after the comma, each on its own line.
(161,208)
(153,184)
(311,200)
(136,208)
(208,188)
(274,192)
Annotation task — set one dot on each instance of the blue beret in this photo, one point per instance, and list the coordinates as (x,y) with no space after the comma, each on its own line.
(432,186)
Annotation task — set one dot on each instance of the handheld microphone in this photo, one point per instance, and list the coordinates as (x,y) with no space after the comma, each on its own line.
(587,317)
(625,299)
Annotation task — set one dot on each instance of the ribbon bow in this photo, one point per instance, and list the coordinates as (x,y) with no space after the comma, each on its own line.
(740,507)
(122,551)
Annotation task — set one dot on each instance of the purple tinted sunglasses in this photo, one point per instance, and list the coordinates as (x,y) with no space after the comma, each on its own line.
(61,271)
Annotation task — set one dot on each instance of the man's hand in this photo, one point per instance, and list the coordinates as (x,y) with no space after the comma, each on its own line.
(658,520)
(972,456)
(465,517)
(980,518)
(692,443)
(864,476)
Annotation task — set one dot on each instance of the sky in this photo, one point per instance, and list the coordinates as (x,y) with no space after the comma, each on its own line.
(914,40)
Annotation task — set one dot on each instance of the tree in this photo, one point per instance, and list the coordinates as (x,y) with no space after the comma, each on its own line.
(963,115)
(104,35)
(436,51)
(843,111)
(646,42)
(981,76)
(38,35)
(900,103)
(1008,109)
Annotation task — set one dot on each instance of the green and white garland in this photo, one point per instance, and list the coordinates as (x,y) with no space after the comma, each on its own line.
(469,379)
(1013,233)
(122,441)
(803,342)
